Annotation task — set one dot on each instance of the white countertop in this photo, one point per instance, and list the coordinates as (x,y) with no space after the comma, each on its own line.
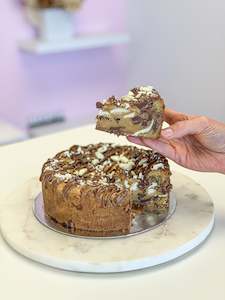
(199,275)
(10,134)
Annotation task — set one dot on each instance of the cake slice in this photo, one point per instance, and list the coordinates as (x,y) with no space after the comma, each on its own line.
(140,113)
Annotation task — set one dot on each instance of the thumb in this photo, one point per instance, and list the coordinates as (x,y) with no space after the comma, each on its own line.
(186,127)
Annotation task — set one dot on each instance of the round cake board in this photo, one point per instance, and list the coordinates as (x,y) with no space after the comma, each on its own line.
(188,227)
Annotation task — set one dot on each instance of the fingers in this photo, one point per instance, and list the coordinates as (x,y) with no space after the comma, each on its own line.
(136,140)
(171,116)
(187,127)
(161,145)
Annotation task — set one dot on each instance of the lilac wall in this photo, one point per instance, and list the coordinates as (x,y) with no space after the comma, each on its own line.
(179,47)
(69,82)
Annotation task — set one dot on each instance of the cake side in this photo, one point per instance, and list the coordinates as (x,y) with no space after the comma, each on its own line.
(140,113)
(87,210)
(97,189)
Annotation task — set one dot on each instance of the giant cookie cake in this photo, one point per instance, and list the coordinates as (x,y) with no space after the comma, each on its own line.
(97,190)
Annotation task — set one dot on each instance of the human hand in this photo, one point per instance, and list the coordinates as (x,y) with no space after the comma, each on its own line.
(195,142)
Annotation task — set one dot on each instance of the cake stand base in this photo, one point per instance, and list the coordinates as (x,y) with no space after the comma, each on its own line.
(187,228)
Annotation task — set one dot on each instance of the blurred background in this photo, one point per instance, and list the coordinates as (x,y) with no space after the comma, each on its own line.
(57,60)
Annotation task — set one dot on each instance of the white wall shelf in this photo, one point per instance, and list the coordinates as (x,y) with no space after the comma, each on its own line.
(37,46)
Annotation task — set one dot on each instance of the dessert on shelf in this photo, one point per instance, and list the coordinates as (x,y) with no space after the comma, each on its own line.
(65,4)
(96,190)
(139,113)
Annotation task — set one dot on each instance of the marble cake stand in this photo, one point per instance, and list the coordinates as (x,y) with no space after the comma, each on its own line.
(187,228)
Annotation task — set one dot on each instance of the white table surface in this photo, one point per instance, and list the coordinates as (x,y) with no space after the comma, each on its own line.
(199,275)
(10,134)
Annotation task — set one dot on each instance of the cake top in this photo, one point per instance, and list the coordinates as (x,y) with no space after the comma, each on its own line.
(143,97)
(104,164)
(138,93)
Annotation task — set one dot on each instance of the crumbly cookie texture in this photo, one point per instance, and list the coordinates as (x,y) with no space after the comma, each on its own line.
(140,113)
(97,189)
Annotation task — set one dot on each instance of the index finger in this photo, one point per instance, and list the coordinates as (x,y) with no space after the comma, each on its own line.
(171,116)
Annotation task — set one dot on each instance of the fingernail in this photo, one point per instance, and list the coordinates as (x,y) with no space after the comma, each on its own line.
(168,132)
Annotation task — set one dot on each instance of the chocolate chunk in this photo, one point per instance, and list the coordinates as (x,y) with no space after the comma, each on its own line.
(144,184)
(136,120)
(64,225)
(146,201)
(166,188)
(99,105)
(155,125)
(156,93)
(144,123)
(112,100)
(135,91)
(145,104)
(116,130)
(158,120)
(70,224)
(102,117)
(54,220)
(117,120)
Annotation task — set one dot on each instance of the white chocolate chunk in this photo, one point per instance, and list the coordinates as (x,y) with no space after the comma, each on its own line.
(103,113)
(99,155)
(119,110)
(130,93)
(103,148)
(120,158)
(81,172)
(63,177)
(48,168)
(110,175)
(126,105)
(134,186)
(147,89)
(124,162)
(106,162)
(54,162)
(144,130)
(141,176)
(67,153)
(128,98)
(103,181)
(126,184)
(142,161)
(129,116)
(95,161)
(124,159)
(99,167)
(151,189)
(79,150)
(115,158)
(158,167)
(127,166)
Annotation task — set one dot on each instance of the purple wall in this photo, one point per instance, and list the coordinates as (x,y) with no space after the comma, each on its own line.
(69,82)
